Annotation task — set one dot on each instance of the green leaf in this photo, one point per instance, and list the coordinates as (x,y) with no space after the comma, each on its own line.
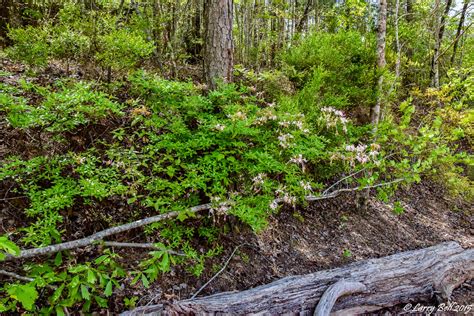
(85,292)
(57,294)
(145,281)
(165,262)
(26,294)
(58,259)
(91,278)
(108,289)
(9,246)
(102,302)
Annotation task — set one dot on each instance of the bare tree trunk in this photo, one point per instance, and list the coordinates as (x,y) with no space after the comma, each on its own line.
(218,51)
(397,41)
(374,284)
(5,7)
(434,73)
(381,32)
(458,32)
(304,19)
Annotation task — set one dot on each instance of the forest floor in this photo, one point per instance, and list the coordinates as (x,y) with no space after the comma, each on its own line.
(314,238)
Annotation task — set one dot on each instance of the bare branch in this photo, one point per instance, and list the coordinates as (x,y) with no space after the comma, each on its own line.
(215,275)
(16,276)
(140,245)
(86,241)
(338,289)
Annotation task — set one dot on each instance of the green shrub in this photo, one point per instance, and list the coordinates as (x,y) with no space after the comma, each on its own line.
(31,45)
(334,70)
(122,49)
(63,110)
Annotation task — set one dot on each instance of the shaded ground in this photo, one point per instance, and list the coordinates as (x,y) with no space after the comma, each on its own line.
(305,241)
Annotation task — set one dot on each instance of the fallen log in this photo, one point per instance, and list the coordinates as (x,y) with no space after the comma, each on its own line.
(365,286)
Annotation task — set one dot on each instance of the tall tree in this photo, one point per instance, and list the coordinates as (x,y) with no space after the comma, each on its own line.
(381,33)
(218,44)
(4,19)
(434,73)
(458,32)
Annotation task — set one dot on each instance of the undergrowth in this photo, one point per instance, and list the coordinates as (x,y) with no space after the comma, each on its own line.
(175,148)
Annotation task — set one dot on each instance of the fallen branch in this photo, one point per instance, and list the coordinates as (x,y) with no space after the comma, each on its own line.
(16,276)
(86,241)
(412,276)
(22,278)
(217,274)
(335,291)
(101,235)
(140,245)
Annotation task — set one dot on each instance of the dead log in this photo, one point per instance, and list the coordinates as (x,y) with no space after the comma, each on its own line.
(412,276)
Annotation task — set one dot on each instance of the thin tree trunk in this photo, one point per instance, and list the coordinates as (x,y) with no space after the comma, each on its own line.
(381,32)
(397,41)
(434,73)
(304,18)
(458,32)
(219,55)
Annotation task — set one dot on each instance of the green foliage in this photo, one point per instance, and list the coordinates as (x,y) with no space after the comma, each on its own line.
(7,247)
(31,45)
(334,70)
(122,49)
(63,110)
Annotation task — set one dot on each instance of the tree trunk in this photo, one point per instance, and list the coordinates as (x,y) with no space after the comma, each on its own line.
(434,73)
(412,276)
(218,50)
(458,32)
(397,41)
(5,6)
(381,32)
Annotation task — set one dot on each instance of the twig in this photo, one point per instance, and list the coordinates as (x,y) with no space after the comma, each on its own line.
(140,245)
(339,181)
(101,235)
(22,278)
(337,192)
(217,274)
(86,241)
(16,276)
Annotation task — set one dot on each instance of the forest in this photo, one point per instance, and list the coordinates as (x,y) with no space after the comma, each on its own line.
(236,157)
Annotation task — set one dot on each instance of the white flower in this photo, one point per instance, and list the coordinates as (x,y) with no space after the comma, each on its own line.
(237,116)
(274,205)
(350,148)
(284,123)
(284,140)
(299,160)
(258,180)
(219,127)
(306,186)
(361,148)
(288,199)
(362,158)
(373,153)
(298,124)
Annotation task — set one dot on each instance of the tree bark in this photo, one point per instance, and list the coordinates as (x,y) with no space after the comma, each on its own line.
(407,277)
(397,41)
(218,51)
(458,32)
(381,33)
(5,6)
(434,73)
